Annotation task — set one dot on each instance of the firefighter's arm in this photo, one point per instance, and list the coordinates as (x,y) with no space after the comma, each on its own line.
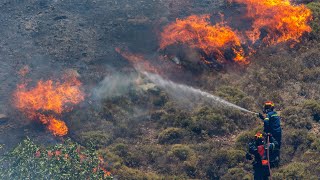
(261,116)
(273,144)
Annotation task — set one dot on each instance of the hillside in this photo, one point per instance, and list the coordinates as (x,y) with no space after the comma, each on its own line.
(129,126)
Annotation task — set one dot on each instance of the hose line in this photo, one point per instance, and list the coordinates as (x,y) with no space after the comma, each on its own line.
(268,156)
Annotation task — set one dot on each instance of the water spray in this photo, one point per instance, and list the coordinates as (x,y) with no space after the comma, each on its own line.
(192,92)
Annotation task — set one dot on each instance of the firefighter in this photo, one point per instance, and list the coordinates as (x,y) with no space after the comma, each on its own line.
(271,121)
(259,148)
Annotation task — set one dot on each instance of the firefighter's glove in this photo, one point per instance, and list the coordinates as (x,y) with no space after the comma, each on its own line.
(261,116)
(248,156)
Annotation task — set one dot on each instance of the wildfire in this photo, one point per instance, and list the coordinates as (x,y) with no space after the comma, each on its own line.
(197,32)
(273,22)
(49,97)
(279,18)
(138,60)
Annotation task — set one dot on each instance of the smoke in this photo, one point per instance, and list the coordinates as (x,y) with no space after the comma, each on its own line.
(189,94)
(114,85)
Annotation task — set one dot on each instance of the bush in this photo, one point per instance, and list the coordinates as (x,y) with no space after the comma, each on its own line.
(223,160)
(207,122)
(151,153)
(135,174)
(295,118)
(314,108)
(98,139)
(315,24)
(311,75)
(176,119)
(293,171)
(121,149)
(231,94)
(171,136)
(182,152)
(299,140)
(235,174)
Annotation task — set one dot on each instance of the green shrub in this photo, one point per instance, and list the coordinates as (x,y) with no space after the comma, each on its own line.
(295,118)
(135,174)
(315,24)
(207,122)
(311,75)
(222,160)
(121,149)
(231,94)
(292,171)
(299,140)
(235,174)
(171,136)
(314,107)
(98,139)
(182,152)
(151,153)
(176,119)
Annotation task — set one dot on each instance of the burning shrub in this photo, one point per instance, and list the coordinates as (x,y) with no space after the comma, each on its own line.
(49,99)
(197,32)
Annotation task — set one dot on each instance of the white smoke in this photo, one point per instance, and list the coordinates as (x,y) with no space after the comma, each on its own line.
(114,85)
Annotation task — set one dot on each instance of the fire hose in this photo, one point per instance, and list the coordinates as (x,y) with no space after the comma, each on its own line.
(268,156)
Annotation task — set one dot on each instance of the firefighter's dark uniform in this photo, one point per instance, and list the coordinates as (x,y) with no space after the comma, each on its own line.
(272,125)
(260,163)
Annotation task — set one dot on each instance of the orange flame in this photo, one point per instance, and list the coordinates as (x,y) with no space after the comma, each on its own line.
(197,32)
(138,60)
(51,97)
(282,20)
(57,127)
